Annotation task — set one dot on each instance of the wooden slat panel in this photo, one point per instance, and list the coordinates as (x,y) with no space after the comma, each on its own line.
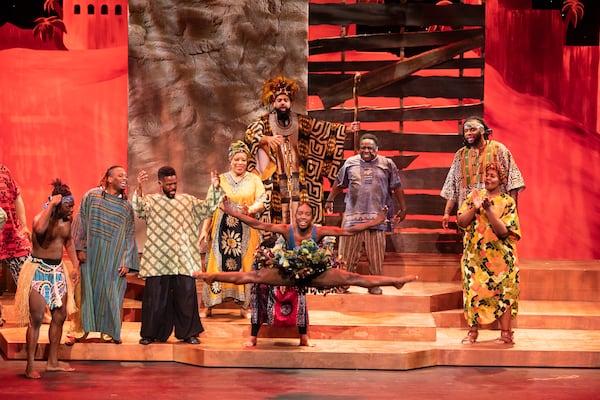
(385,76)
(352,66)
(425,224)
(390,41)
(418,86)
(424,243)
(396,14)
(395,79)
(428,179)
(445,113)
(403,162)
(414,142)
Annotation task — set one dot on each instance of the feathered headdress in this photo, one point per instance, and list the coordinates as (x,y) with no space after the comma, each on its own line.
(276,86)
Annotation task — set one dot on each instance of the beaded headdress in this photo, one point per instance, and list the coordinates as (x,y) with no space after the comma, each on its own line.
(276,86)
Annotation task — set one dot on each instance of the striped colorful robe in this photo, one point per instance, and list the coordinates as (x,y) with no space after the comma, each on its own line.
(104,229)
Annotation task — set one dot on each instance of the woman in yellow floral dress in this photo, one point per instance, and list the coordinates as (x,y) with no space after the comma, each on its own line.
(489,263)
(231,243)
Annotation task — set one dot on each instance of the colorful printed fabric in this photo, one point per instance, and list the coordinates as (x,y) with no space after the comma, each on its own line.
(278,306)
(370,185)
(104,229)
(13,243)
(2,217)
(232,243)
(489,264)
(320,147)
(49,278)
(49,281)
(467,171)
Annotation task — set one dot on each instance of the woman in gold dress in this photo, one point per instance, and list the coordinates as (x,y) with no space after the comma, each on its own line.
(231,244)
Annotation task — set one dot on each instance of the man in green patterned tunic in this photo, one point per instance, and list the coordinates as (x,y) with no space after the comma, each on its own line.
(171,255)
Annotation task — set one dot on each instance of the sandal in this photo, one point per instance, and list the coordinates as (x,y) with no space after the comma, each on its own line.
(506,337)
(471,336)
(71,340)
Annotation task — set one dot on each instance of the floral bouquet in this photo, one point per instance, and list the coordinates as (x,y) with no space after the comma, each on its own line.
(301,264)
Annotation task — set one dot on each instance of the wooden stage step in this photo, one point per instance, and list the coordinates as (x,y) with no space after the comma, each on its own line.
(533,348)
(533,314)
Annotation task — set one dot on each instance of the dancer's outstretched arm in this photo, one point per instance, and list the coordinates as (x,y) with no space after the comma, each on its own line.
(254,223)
(328,230)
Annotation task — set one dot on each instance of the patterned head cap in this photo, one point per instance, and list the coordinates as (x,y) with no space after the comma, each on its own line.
(276,86)
(237,147)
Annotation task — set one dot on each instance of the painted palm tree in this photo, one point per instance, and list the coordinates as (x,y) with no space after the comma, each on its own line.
(53,5)
(572,11)
(47,27)
(51,27)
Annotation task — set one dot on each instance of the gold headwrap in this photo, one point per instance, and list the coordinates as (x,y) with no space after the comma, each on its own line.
(276,86)
(237,147)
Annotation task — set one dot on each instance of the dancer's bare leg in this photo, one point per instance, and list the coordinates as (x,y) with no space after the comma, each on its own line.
(269,276)
(337,277)
(37,306)
(54,334)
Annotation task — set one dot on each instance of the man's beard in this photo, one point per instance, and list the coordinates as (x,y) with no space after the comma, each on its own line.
(476,142)
(168,194)
(283,115)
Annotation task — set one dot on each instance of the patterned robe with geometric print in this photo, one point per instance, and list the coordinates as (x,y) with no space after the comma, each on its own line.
(320,147)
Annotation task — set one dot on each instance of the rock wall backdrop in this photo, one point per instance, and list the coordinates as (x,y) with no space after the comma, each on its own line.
(196,70)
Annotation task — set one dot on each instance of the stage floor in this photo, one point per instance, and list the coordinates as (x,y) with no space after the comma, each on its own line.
(102,380)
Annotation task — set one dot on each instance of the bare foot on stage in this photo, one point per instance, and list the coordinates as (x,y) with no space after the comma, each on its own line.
(250,342)
(60,367)
(31,373)
(405,279)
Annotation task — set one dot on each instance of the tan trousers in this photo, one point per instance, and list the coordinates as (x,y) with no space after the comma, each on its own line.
(350,250)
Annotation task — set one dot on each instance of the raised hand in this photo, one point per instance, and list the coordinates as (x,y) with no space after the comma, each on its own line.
(477,200)
(226,205)
(142,177)
(214,178)
(55,200)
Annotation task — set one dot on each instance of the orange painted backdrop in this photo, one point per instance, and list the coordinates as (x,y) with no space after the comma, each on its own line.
(64,114)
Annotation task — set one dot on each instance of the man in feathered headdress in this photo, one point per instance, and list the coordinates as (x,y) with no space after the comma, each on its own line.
(292,152)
